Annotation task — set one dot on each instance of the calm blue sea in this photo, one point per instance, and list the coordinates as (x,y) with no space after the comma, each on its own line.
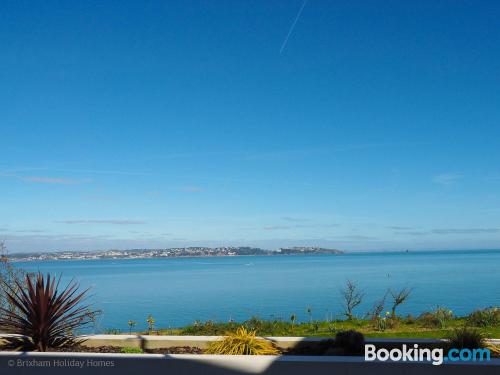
(181,290)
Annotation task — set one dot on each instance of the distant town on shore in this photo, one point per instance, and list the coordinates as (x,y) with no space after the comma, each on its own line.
(176,252)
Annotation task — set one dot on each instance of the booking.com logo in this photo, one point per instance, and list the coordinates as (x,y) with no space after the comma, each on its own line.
(415,354)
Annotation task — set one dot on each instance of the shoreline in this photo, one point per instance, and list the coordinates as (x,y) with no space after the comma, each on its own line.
(354,253)
(15,260)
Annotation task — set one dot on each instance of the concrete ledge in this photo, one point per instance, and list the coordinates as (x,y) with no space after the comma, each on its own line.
(292,342)
(158,342)
(147,342)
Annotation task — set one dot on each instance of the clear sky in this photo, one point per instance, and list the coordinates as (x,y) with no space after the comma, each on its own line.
(356,125)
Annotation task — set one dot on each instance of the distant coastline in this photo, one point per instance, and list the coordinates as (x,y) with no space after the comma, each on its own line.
(179,252)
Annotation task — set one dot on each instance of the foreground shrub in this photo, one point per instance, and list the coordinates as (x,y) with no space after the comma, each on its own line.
(435,319)
(242,342)
(44,316)
(489,317)
(349,343)
(466,338)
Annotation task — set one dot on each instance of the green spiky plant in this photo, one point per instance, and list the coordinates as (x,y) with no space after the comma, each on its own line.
(242,342)
(131,324)
(45,317)
(151,323)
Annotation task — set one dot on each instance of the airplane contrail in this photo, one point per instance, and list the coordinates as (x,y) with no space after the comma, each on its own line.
(293,26)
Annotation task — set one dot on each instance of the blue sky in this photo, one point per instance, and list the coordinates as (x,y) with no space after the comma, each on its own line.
(355,125)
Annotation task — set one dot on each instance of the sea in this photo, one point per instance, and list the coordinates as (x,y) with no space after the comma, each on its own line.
(180,291)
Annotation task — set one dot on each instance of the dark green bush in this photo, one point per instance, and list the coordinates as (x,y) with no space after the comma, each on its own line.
(393,322)
(209,328)
(435,319)
(488,317)
(466,338)
(409,319)
(253,324)
(350,342)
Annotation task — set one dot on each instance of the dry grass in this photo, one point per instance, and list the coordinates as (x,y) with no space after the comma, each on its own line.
(242,342)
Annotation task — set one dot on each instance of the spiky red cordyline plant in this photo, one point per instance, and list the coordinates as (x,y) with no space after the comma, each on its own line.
(44,316)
